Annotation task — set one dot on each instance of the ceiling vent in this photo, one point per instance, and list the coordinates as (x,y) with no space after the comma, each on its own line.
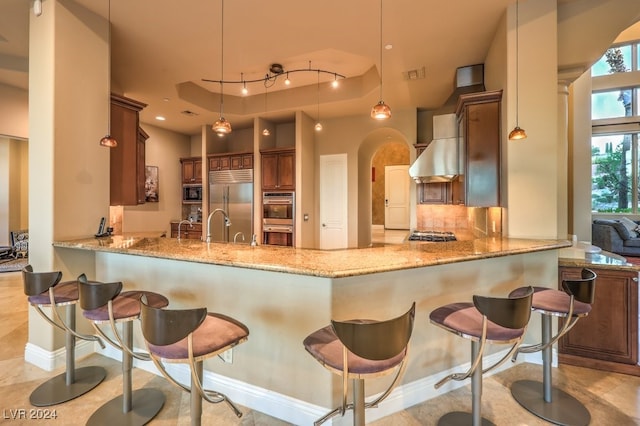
(417,74)
(189,113)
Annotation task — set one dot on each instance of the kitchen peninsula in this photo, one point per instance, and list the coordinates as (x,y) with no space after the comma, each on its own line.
(283,293)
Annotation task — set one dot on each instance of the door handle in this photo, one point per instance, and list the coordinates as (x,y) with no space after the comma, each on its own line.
(386,203)
(324,225)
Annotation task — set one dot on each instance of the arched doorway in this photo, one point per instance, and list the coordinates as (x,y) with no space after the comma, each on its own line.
(394,146)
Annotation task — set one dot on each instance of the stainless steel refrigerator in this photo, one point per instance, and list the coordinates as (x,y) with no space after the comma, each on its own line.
(231,191)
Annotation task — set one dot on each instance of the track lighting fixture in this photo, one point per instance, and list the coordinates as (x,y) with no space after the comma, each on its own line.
(37,7)
(318,125)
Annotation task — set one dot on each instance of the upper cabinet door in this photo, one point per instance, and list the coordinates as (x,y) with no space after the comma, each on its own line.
(278,170)
(191,170)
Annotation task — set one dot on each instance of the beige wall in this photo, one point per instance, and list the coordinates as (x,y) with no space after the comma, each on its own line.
(14,187)
(163,149)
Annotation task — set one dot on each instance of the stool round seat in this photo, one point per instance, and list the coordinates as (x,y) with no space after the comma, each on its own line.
(106,303)
(45,289)
(571,303)
(360,349)
(190,336)
(492,320)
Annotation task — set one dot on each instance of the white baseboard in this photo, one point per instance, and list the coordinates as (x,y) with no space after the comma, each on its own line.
(281,406)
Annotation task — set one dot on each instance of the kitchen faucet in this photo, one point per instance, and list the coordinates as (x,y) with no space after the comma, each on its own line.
(227,222)
(190,222)
(236,236)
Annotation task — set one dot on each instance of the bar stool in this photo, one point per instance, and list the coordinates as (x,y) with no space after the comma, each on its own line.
(190,336)
(44,289)
(368,349)
(542,399)
(106,303)
(488,319)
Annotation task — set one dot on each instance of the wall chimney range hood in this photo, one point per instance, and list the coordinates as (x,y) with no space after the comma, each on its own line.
(439,162)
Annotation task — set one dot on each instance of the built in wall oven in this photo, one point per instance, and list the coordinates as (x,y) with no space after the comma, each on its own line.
(277,217)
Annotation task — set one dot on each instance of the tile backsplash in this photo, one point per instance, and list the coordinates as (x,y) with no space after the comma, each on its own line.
(465,222)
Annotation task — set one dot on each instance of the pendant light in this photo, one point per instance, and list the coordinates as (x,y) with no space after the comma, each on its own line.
(108,140)
(318,125)
(265,131)
(380,111)
(222,127)
(517,133)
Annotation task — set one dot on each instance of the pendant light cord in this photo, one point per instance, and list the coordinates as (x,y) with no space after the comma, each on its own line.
(517,65)
(381,50)
(222,60)
(109,65)
(318,96)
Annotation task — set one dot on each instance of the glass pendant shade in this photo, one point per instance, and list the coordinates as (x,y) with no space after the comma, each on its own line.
(517,133)
(318,126)
(222,127)
(266,132)
(108,141)
(380,111)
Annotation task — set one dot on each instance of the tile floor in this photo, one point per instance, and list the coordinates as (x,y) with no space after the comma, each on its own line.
(612,399)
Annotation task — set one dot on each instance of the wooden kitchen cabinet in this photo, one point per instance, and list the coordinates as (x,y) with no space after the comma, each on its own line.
(187,232)
(234,161)
(607,338)
(241,161)
(278,169)
(127,159)
(478,182)
(191,170)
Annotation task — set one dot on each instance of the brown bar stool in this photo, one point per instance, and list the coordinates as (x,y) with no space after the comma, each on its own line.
(44,289)
(106,303)
(494,320)
(369,349)
(190,336)
(542,399)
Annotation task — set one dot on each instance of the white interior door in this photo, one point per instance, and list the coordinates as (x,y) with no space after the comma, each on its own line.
(396,197)
(333,201)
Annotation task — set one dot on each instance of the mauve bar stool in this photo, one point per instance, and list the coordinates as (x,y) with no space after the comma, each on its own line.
(362,349)
(44,289)
(487,320)
(106,303)
(190,336)
(542,399)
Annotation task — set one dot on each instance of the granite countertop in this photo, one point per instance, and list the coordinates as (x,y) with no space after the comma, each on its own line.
(600,260)
(323,263)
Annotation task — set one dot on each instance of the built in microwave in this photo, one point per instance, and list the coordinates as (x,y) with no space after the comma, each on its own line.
(192,193)
(278,205)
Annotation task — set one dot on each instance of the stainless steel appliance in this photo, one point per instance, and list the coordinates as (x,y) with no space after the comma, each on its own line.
(277,217)
(191,194)
(231,191)
(432,236)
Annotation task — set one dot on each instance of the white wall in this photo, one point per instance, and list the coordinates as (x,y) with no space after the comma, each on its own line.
(14,112)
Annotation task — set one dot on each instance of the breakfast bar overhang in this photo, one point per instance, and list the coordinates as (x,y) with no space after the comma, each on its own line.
(282,294)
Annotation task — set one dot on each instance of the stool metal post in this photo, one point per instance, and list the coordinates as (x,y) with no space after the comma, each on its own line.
(196,403)
(70,345)
(358,402)
(541,398)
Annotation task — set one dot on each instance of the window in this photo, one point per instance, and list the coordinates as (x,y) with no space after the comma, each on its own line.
(614,143)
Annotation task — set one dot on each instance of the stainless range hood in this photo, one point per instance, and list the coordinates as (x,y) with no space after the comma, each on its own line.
(439,162)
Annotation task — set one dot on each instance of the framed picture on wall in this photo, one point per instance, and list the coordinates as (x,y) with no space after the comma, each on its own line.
(151,188)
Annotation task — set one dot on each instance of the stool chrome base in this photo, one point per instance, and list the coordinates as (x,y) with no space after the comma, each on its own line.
(459,418)
(563,409)
(146,403)
(56,390)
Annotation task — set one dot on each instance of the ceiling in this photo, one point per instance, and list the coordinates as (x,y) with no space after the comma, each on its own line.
(163,49)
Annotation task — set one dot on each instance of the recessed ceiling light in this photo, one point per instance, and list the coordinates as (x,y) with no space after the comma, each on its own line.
(388,46)
(165,99)
(160,118)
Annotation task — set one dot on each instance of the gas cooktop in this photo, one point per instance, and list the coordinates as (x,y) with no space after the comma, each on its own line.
(433,236)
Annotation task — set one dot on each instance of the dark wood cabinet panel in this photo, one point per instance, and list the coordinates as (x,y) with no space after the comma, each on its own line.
(434,193)
(191,170)
(231,161)
(193,232)
(478,184)
(127,159)
(242,161)
(608,337)
(278,170)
